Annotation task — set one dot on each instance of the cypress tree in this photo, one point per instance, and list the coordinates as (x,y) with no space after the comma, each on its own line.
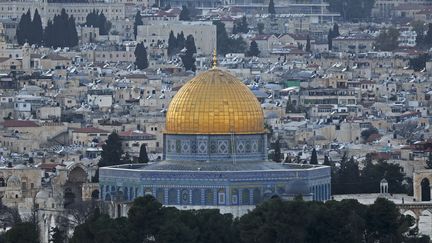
(308,44)
(326,161)
(138,21)
(102,24)
(277,157)
(336,30)
(72,32)
(92,18)
(141,60)
(330,39)
(111,151)
(271,7)
(243,26)
(253,49)
(24,28)
(184,14)
(172,44)
(314,157)
(180,41)
(188,58)
(143,157)
(48,34)
(37,29)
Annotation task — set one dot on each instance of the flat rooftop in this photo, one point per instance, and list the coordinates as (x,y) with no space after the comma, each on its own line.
(215,166)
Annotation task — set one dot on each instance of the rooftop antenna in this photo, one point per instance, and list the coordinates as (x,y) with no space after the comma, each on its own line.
(214,59)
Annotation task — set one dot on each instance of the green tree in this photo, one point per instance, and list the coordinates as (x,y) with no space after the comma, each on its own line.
(365,134)
(387,40)
(384,222)
(346,179)
(271,7)
(336,30)
(146,215)
(326,161)
(61,32)
(172,44)
(308,44)
(419,27)
(111,151)
(71,34)
(138,21)
(103,24)
(184,14)
(187,57)
(92,18)
(253,49)
(48,34)
(314,157)
(242,25)
(143,157)
(277,157)
(24,28)
(180,41)
(330,39)
(141,60)
(37,30)
(372,174)
(25,232)
(101,228)
(419,63)
(260,27)
(333,33)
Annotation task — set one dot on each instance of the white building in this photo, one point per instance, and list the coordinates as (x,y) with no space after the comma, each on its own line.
(407,38)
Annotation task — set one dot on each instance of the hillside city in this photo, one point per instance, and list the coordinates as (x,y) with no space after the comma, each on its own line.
(215,121)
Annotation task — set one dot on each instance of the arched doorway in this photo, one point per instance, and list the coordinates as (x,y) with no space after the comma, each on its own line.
(425,190)
(95,195)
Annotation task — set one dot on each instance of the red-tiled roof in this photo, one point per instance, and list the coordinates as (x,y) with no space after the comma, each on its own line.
(262,37)
(132,133)
(19,123)
(89,130)
(47,166)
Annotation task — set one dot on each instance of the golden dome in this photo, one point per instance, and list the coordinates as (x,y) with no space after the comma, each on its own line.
(214,102)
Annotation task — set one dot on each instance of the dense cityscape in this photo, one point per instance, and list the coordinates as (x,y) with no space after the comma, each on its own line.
(129,121)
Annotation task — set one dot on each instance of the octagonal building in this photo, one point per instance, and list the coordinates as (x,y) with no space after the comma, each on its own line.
(215,155)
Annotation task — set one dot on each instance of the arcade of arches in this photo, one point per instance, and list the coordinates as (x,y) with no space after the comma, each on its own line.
(422,185)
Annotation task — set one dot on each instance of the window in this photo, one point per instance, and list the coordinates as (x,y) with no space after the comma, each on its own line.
(221,198)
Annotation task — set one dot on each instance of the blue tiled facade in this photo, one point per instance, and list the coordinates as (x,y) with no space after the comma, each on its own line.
(214,188)
(215,147)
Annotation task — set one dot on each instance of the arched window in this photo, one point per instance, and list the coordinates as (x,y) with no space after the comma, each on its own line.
(2,182)
(256,196)
(196,197)
(209,197)
(425,190)
(172,196)
(234,197)
(160,195)
(245,197)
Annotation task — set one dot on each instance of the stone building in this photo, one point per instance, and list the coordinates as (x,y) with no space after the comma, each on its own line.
(204,34)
